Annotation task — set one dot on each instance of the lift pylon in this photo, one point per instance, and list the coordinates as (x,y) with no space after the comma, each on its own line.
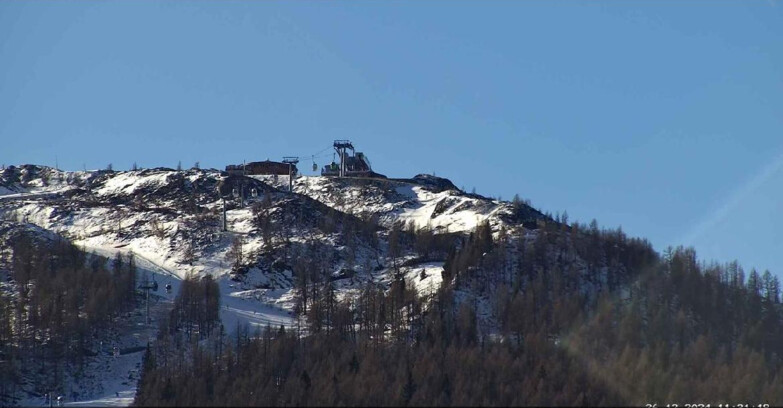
(341,146)
(291,160)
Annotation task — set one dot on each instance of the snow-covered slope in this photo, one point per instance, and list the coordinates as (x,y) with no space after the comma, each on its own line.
(163,214)
(31,180)
(171,220)
(425,200)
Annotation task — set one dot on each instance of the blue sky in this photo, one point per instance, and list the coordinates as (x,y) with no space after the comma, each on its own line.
(665,118)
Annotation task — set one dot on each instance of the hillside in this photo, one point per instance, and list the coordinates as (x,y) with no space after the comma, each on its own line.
(355,268)
(171,221)
(173,218)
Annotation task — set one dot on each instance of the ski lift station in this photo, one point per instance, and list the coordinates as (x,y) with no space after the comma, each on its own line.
(352,163)
(346,162)
(266,167)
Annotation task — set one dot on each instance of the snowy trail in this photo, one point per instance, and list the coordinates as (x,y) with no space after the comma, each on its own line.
(234,310)
(121,399)
(272,316)
(31,195)
(118,375)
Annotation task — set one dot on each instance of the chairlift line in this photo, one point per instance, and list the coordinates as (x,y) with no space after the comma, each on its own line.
(318,154)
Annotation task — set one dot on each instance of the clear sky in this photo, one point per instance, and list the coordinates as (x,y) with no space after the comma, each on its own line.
(663,117)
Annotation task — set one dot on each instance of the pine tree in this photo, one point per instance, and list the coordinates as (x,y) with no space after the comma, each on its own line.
(131,280)
(771,287)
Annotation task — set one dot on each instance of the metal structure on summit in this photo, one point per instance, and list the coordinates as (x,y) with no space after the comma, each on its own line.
(266,167)
(352,163)
(291,161)
(341,146)
(349,164)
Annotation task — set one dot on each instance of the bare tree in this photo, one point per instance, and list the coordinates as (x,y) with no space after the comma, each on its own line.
(189,252)
(235,255)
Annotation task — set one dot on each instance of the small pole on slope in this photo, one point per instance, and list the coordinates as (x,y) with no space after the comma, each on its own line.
(224,214)
(242,186)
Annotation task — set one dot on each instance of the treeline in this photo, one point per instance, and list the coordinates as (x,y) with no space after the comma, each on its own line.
(391,346)
(562,315)
(57,301)
(689,332)
(664,329)
(190,336)
(196,308)
(384,351)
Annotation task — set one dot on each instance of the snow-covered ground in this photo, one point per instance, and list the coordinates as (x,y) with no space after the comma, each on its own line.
(236,308)
(441,209)
(142,212)
(112,379)
(6,194)
(115,378)
(46,180)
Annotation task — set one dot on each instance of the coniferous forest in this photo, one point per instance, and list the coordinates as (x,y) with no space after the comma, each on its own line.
(269,203)
(566,315)
(581,316)
(65,300)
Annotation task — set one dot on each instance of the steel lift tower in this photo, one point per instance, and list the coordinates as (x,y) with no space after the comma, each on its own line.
(291,162)
(341,146)
(146,286)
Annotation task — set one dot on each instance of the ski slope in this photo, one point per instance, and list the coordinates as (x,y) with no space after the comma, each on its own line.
(118,375)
